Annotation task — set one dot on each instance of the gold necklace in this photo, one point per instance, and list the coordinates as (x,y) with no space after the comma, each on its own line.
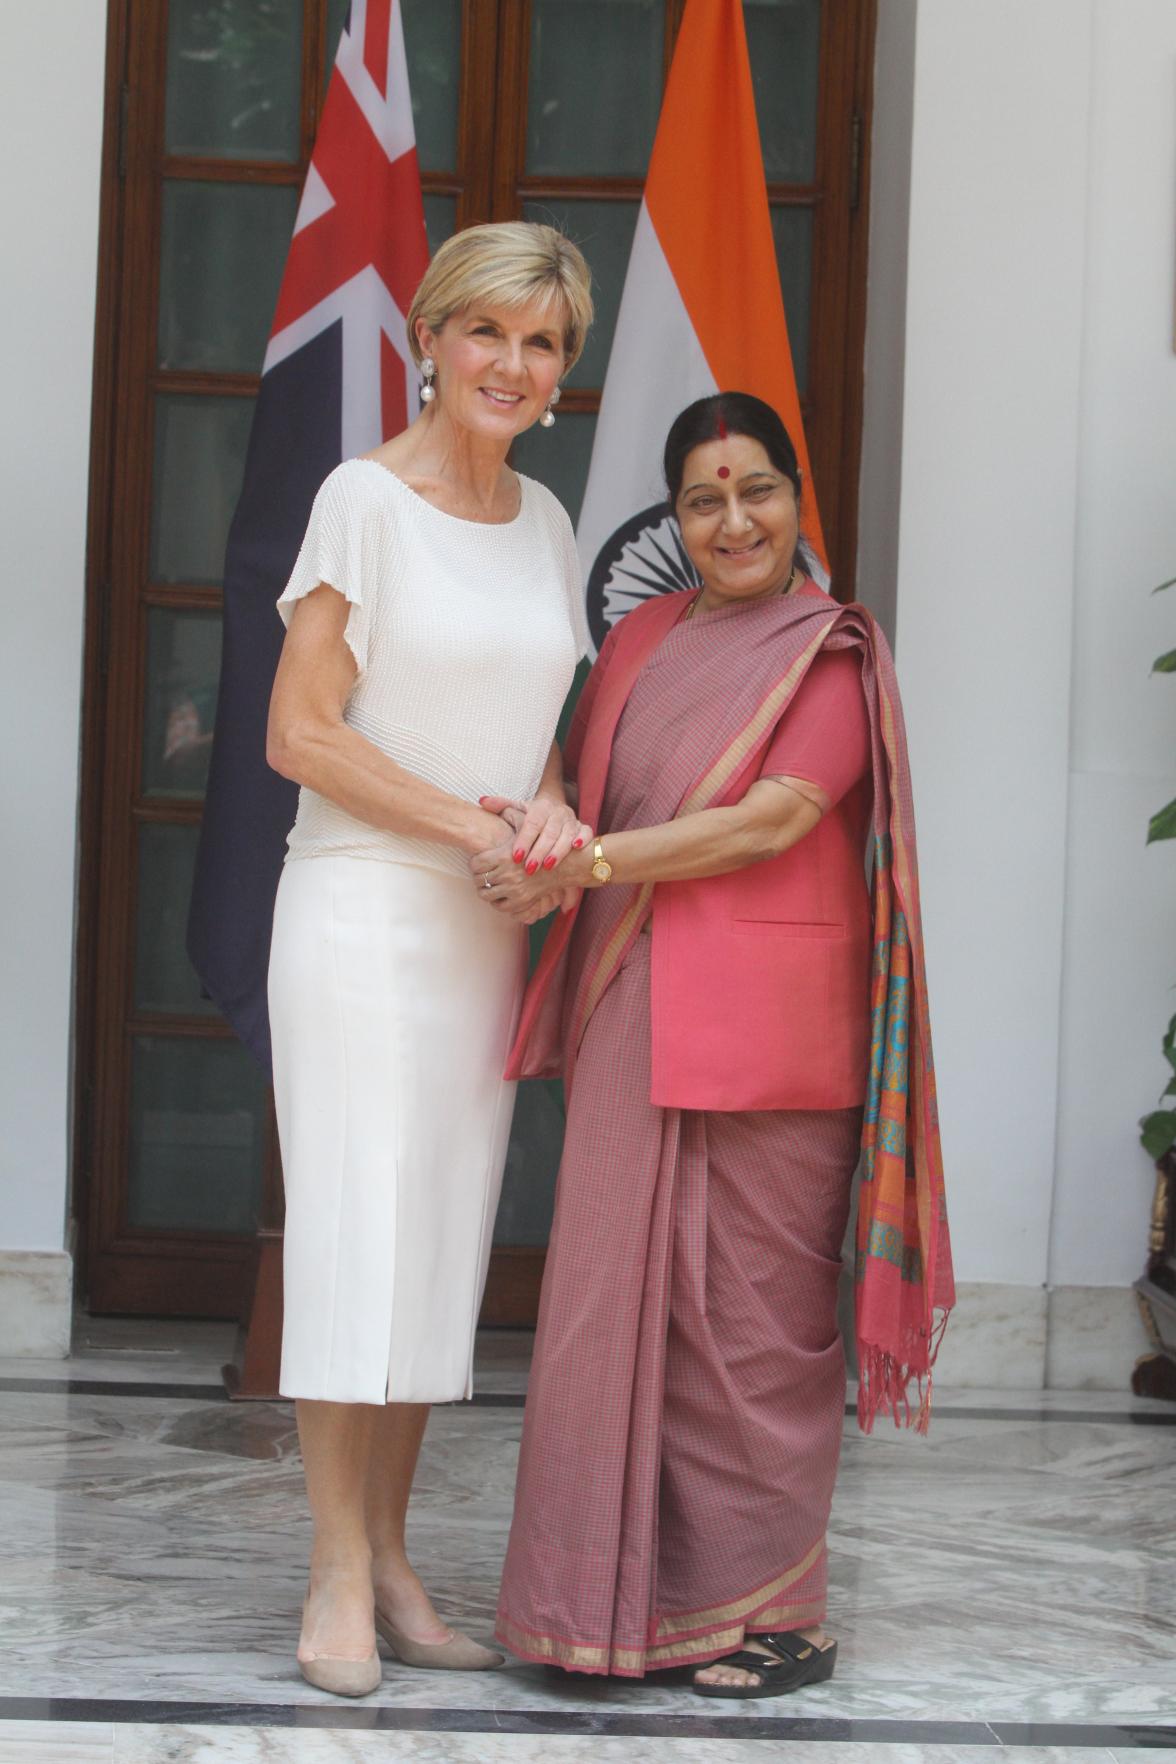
(787,589)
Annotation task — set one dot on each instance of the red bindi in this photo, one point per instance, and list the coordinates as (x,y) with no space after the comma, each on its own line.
(724,471)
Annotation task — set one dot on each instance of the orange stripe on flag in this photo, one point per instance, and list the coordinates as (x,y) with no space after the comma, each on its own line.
(708,201)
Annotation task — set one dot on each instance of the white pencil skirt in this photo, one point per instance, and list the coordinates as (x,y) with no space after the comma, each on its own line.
(393,994)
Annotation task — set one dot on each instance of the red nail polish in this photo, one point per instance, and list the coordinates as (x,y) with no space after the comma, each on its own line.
(549,863)
(481,800)
(576,844)
(518,856)
(532,867)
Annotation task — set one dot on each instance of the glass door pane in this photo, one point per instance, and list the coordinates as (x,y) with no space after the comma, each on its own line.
(784,43)
(234,78)
(792,232)
(200,443)
(220,265)
(594,86)
(183,672)
(197,1135)
(432,43)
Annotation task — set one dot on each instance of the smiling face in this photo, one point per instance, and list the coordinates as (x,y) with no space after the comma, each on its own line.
(497,367)
(739,519)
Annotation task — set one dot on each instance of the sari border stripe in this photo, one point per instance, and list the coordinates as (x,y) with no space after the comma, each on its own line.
(635,1662)
(731,761)
(610,955)
(742,1607)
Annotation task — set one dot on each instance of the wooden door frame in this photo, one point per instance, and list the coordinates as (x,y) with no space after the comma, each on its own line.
(495,43)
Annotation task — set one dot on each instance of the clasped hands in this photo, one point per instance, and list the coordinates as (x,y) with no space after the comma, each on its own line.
(519,877)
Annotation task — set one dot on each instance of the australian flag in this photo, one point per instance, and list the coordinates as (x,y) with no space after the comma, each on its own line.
(337,380)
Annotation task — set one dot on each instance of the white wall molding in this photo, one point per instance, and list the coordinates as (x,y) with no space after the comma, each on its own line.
(36,1304)
(1094,1336)
(1004,1337)
(995,1340)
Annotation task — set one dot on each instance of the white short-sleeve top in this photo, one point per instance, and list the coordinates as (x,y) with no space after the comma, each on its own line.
(466,636)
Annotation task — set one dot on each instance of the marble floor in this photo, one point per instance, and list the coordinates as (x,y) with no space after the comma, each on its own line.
(1005,1588)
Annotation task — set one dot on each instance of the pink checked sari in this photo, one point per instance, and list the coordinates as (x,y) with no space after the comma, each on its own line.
(685,1405)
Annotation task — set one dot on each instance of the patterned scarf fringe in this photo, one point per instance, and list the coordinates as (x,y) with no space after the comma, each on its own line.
(884,1384)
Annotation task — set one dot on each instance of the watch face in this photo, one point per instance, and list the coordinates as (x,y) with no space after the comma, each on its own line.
(644,556)
(602,870)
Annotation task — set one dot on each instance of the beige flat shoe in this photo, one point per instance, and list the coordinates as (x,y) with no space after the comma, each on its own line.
(458,1654)
(342,1677)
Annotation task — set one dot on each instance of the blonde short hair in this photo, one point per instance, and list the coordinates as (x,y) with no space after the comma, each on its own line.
(505,264)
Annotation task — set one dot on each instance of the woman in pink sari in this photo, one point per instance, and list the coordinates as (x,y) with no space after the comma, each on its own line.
(738,1013)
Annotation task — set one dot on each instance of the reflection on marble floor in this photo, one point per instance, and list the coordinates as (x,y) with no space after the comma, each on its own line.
(168,1351)
(240,1745)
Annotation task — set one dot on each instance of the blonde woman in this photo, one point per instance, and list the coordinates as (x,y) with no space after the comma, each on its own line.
(434,624)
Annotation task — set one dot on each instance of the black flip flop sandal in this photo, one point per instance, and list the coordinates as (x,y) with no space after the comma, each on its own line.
(798,1662)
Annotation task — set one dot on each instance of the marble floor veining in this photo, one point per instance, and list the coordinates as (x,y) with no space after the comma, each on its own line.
(1008,1585)
(241,1745)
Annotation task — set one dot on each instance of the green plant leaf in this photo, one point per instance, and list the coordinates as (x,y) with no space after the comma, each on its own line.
(1165,664)
(1169,1044)
(1157,1132)
(1163,824)
(1160,586)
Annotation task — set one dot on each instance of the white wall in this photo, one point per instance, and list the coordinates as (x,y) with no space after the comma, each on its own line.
(1120,951)
(880,500)
(1030,509)
(51,78)
(985,581)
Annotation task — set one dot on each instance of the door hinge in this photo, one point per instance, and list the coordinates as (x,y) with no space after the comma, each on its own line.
(855,160)
(124,114)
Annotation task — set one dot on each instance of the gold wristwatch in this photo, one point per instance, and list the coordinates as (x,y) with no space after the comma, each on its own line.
(601,868)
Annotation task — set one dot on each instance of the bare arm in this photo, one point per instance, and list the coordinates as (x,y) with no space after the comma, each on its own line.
(551,785)
(770,818)
(308,741)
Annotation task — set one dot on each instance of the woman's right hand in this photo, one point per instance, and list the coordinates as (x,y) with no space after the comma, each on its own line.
(548,831)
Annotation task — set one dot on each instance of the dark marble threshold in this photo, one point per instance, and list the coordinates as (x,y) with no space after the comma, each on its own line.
(578,1721)
(215,1393)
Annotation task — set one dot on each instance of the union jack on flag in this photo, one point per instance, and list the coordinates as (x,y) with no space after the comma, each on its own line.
(337,379)
(359,247)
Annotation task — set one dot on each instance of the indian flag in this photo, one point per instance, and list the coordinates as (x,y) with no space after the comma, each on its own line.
(701,312)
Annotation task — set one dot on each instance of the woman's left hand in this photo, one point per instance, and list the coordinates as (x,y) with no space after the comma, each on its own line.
(525,895)
(549,830)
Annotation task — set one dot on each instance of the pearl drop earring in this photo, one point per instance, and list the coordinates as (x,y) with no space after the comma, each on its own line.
(428,390)
(548,416)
